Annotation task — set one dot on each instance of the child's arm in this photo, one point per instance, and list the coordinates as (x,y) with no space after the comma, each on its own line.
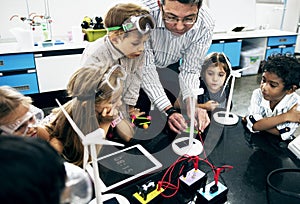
(269,124)
(105,126)
(43,133)
(115,119)
(125,130)
(209,105)
(57,145)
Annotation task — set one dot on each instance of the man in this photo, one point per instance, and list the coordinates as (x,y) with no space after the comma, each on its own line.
(183,33)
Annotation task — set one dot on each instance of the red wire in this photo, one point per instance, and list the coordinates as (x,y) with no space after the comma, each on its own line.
(169,172)
(176,188)
(168,184)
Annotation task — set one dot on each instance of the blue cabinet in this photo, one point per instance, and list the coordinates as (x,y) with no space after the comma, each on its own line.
(281,45)
(18,71)
(282,40)
(25,83)
(216,47)
(288,50)
(13,62)
(231,49)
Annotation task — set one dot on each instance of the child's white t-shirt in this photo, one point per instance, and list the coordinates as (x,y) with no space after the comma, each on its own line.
(260,108)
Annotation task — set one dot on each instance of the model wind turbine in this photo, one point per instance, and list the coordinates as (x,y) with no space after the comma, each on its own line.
(193,147)
(91,140)
(226,117)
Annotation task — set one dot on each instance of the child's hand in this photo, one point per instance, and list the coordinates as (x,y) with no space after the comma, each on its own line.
(293,115)
(211,105)
(135,111)
(109,115)
(244,120)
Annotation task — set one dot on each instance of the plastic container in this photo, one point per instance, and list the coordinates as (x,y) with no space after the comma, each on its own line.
(94,34)
(251,58)
(283,186)
(23,37)
(77,34)
(46,36)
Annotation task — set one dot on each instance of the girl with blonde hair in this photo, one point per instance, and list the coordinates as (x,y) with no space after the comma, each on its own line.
(96,103)
(17,114)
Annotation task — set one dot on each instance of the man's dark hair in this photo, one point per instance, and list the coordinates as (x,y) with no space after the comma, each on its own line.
(285,67)
(197,2)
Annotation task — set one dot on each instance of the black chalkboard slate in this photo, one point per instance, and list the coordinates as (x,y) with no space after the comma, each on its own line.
(124,166)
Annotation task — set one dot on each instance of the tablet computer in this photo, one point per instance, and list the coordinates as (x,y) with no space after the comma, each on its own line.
(122,166)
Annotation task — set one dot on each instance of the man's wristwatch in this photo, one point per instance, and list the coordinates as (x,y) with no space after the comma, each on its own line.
(116,121)
(170,111)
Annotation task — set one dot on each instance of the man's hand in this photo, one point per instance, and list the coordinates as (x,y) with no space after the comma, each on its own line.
(201,117)
(177,123)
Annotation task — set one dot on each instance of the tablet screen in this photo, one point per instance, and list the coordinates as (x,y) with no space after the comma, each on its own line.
(125,165)
(111,201)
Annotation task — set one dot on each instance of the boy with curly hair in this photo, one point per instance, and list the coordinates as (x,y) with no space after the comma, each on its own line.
(274,107)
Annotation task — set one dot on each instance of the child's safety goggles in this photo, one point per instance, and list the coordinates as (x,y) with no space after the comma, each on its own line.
(19,125)
(112,79)
(143,24)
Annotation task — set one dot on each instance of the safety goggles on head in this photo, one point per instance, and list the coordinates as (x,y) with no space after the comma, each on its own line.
(143,24)
(34,114)
(119,73)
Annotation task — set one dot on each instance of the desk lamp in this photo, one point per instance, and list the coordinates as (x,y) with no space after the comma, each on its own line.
(226,117)
(90,140)
(194,146)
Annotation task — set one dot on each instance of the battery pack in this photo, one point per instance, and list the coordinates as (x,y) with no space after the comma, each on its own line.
(218,196)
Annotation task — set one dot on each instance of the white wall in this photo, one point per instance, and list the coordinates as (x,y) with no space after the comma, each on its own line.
(292,15)
(232,13)
(67,13)
(271,15)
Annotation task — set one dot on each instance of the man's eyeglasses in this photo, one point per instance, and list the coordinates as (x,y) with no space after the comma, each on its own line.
(188,20)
